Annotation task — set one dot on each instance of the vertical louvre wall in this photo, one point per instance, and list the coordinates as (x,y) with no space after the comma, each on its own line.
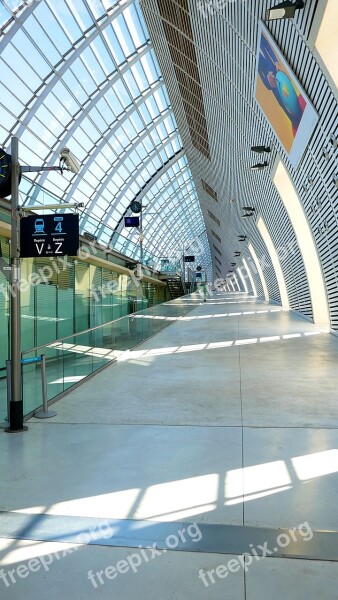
(66,301)
(238,124)
(225,37)
(177,26)
(314,180)
(82,305)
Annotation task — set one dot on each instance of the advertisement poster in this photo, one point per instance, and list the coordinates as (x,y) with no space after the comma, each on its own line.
(282,98)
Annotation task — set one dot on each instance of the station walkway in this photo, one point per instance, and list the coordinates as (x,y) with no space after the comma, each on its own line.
(216,437)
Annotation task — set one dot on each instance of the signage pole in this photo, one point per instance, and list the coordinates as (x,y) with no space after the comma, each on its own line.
(16,401)
(183,261)
(141,237)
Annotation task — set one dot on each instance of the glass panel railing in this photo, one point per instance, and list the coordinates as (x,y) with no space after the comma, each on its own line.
(171,267)
(32,380)
(77,356)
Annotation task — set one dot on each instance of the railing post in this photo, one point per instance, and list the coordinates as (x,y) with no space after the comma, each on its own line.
(44,413)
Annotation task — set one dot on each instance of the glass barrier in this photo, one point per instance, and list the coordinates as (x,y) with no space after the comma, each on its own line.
(75,357)
(3,398)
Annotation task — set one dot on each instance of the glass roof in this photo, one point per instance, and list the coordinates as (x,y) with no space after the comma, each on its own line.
(84,75)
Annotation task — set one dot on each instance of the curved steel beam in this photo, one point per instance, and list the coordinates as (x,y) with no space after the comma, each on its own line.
(153,179)
(78,48)
(131,180)
(18,22)
(98,149)
(85,110)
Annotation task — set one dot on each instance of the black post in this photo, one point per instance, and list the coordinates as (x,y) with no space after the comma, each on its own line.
(16,401)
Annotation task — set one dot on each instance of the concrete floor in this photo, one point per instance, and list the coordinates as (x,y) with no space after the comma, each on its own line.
(228,416)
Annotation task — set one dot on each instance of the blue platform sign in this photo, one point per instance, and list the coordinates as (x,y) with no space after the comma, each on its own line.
(49,235)
(131,221)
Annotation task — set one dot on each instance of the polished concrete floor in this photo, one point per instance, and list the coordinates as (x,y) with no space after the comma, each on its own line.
(227,417)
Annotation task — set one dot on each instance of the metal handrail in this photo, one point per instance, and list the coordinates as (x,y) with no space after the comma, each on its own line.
(72,335)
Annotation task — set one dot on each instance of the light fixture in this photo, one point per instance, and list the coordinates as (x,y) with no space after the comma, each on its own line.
(260,149)
(284,10)
(334,141)
(130,265)
(90,236)
(249,211)
(59,206)
(259,166)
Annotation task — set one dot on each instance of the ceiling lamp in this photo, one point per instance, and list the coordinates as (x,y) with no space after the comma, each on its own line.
(284,10)
(259,166)
(260,149)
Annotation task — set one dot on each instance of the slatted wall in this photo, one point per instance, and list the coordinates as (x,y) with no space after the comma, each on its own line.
(225,46)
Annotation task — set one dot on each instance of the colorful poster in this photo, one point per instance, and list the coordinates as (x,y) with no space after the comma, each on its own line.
(282,99)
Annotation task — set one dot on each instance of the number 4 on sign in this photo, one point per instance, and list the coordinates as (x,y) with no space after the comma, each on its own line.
(58,227)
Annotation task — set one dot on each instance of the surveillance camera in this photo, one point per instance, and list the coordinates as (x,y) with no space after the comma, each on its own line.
(68,158)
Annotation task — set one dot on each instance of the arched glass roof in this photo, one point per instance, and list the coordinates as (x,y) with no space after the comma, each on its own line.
(84,75)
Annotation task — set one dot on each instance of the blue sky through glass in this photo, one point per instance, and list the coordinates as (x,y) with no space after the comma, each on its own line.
(84,75)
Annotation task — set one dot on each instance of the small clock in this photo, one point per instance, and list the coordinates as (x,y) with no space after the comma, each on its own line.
(136,206)
(5,173)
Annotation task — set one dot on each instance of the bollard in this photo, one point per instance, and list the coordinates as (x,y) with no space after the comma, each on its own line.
(8,374)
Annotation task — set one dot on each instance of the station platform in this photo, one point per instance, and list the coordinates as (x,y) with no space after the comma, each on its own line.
(201,464)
